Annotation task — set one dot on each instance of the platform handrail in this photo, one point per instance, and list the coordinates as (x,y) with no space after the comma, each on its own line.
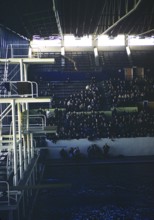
(36,125)
(33,85)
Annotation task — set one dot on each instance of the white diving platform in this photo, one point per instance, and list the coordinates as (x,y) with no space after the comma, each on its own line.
(18,129)
(25,100)
(28,60)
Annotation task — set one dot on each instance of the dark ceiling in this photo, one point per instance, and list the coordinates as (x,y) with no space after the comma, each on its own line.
(78,17)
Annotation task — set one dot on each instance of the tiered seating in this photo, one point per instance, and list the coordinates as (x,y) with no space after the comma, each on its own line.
(84,117)
(80,61)
(60,89)
(97,125)
(140,57)
(71,61)
(128,93)
(116,59)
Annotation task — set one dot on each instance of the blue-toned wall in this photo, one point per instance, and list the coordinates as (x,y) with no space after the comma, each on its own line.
(142,146)
(8,37)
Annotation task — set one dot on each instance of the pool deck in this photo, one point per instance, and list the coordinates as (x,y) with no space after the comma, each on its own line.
(109,160)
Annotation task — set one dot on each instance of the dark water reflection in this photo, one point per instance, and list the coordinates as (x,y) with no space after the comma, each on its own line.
(106,191)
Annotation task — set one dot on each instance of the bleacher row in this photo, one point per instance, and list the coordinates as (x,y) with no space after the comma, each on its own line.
(85,60)
(98,125)
(90,109)
(71,61)
(115,92)
(60,89)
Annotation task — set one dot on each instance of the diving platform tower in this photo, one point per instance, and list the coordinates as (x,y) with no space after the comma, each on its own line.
(18,155)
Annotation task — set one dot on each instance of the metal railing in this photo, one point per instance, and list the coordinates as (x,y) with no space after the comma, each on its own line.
(32,90)
(37,121)
(14,51)
(4,192)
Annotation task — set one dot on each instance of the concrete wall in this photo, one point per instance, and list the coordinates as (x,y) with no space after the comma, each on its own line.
(122,146)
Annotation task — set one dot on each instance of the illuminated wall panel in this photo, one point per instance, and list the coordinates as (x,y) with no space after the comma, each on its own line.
(138,41)
(128,73)
(72,41)
(105,40)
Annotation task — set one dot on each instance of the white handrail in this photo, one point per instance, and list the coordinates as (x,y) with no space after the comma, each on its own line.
(33,85)
(37,125)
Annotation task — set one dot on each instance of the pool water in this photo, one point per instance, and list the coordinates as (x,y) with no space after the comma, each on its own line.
(97,191)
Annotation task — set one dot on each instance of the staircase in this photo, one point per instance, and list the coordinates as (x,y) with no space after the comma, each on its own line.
(6,157)
(3,165)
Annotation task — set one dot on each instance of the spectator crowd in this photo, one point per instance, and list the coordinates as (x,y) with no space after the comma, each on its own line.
(83,115)
(128,92)
(103,95)
(73,125)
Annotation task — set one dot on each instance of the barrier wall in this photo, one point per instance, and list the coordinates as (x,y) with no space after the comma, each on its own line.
(143,146)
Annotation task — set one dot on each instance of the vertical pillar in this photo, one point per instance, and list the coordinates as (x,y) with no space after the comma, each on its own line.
(14,144)
(96,56)
(128,51)
(30,52)
(62,58)
(25,72)
(22,78)
(11,47)
(20,142)
(1,124)
(31,145)
(25,153)
(28,136)
(21,71)
(28,148)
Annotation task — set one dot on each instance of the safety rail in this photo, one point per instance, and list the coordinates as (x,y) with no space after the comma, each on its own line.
(4,193)
(7,159)
(36,52)
(7,196)
(37,121)
(16,50)
(24,89)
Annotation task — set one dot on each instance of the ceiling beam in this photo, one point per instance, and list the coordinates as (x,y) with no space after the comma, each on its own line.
(57,19)
(122,18)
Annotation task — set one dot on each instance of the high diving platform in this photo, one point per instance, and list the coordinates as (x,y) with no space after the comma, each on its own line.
(20,169)
(28,60)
